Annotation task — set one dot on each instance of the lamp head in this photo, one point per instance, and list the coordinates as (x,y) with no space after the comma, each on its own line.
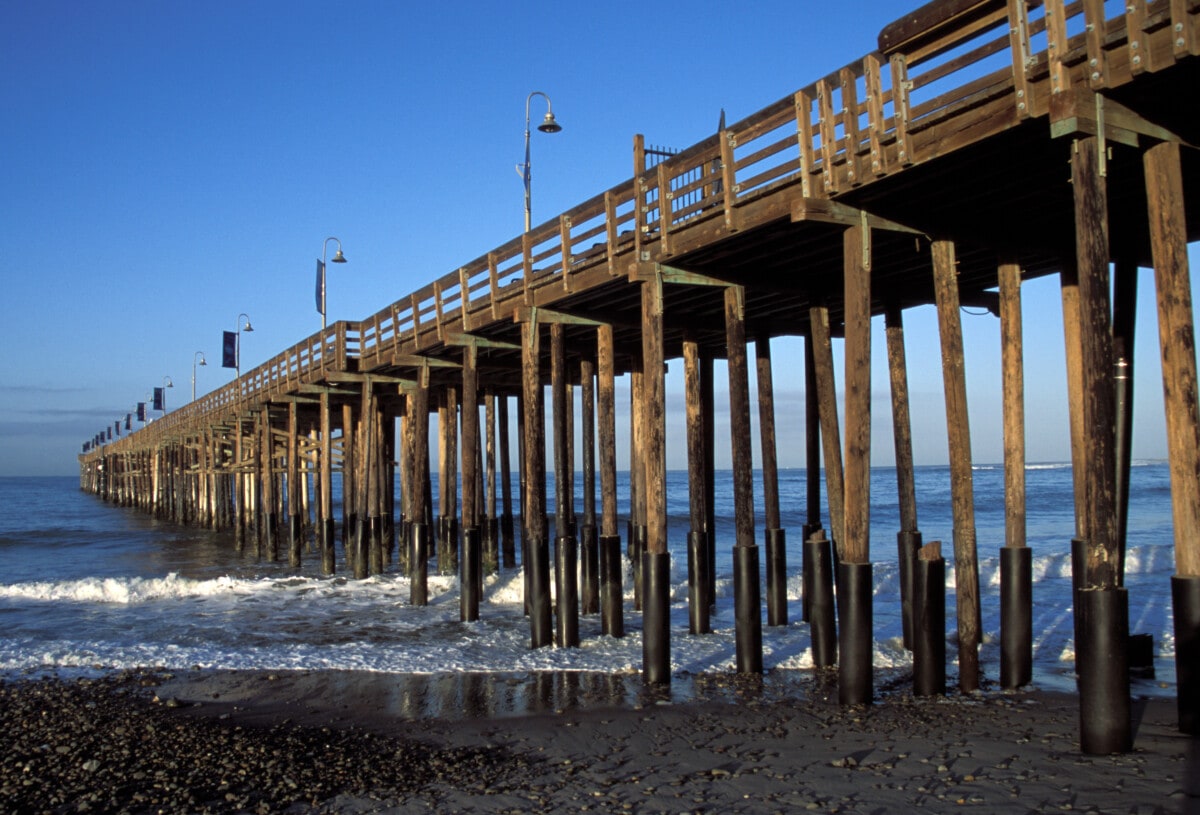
(248,327)
(338,257)
(549,125)
(203,361)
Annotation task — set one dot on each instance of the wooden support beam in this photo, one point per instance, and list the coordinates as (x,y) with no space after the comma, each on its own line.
(654,422)
(1176,334)
(901,418)
(831,435)
(1092,257)
(607,429)
(766,426)
(962,493)
(856,248)
(534,514)
(470,438)
(1013,394)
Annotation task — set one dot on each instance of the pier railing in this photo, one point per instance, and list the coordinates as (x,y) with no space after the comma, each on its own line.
(943,78)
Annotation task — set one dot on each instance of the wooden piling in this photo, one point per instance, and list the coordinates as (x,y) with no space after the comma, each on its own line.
(566,550)
(1176,335)
(830,432)
(589,534)
(958,434)
(656,649)
(776,544)
(747,605)
(698,563)
(507,541)
(533,514)
(1016,633)
(611,592)
(908,538)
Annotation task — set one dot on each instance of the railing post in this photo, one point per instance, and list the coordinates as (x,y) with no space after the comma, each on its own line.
(1018,42)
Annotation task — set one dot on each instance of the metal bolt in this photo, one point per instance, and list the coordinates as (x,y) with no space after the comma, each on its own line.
(1095,75)
(1180,42)
(1179,26)
(1137,60)
(1020,106)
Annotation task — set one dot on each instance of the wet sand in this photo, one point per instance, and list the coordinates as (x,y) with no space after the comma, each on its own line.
(519,743)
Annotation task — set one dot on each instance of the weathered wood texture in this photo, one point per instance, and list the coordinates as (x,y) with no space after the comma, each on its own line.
(1013,395)
(1177,341)
(962,492)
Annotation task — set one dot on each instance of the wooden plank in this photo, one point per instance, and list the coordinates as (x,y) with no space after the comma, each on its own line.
(958,435)
(1018,43)
(694,423)
(664,210)
(850,129)
(1057,45)
(493,284)
(877,124)
(901,108)
(1176,334)
(1181,29)
(558,399)
(564,237)
(728,178)
(1013,398)
(1095,28)
(926,30)
(826,123)
(464,297)
(856,253)
(804,139)
(610,230)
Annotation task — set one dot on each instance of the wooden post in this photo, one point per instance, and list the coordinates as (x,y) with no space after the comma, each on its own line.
(1102,605)
(360,467)
(534,511)
(566,550)
(470,577)
(812,442)
(589,535)
(1016,590)
(325,505)
(1091,251)
(708,408)
(611,594)
(295,530)
(776,542)
(656,564)
(831,435)
(747,605)
(637,478)
(855,583)
(1176,335)
(507,541)
(1069,284)
(418,457)
(908,538)
(698,564)
(491,538)
(966,561)
(349,499)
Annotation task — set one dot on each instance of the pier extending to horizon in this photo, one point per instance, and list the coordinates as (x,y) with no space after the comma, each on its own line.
(985,142)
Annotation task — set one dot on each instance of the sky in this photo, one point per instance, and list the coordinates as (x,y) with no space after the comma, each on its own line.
(168,166)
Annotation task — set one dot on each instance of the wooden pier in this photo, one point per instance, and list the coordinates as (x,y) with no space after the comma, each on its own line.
(985,142)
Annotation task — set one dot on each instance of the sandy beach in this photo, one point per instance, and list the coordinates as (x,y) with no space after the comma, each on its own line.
(347,742)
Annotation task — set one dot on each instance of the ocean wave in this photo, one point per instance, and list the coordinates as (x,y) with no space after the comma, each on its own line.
(126,590)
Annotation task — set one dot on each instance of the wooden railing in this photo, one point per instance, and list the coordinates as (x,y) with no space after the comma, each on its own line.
(990,58)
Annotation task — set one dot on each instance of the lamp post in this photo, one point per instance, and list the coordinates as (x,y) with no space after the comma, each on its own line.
(197,359)
(548,125)
(338,257)
(167,383)
(238,350)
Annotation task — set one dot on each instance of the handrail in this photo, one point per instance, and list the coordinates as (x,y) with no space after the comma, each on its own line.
(841,131)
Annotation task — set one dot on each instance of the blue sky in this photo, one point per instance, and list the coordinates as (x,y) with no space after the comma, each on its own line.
(169,165)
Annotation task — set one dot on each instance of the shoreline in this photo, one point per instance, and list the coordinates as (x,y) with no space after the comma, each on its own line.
(345,742)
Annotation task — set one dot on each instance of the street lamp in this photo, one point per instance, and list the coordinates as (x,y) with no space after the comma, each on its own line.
(197,359)
(238,355)
(167,383)
(548,125)
(338,257)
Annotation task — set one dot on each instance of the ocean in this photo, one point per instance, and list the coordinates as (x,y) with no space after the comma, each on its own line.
(88,587)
